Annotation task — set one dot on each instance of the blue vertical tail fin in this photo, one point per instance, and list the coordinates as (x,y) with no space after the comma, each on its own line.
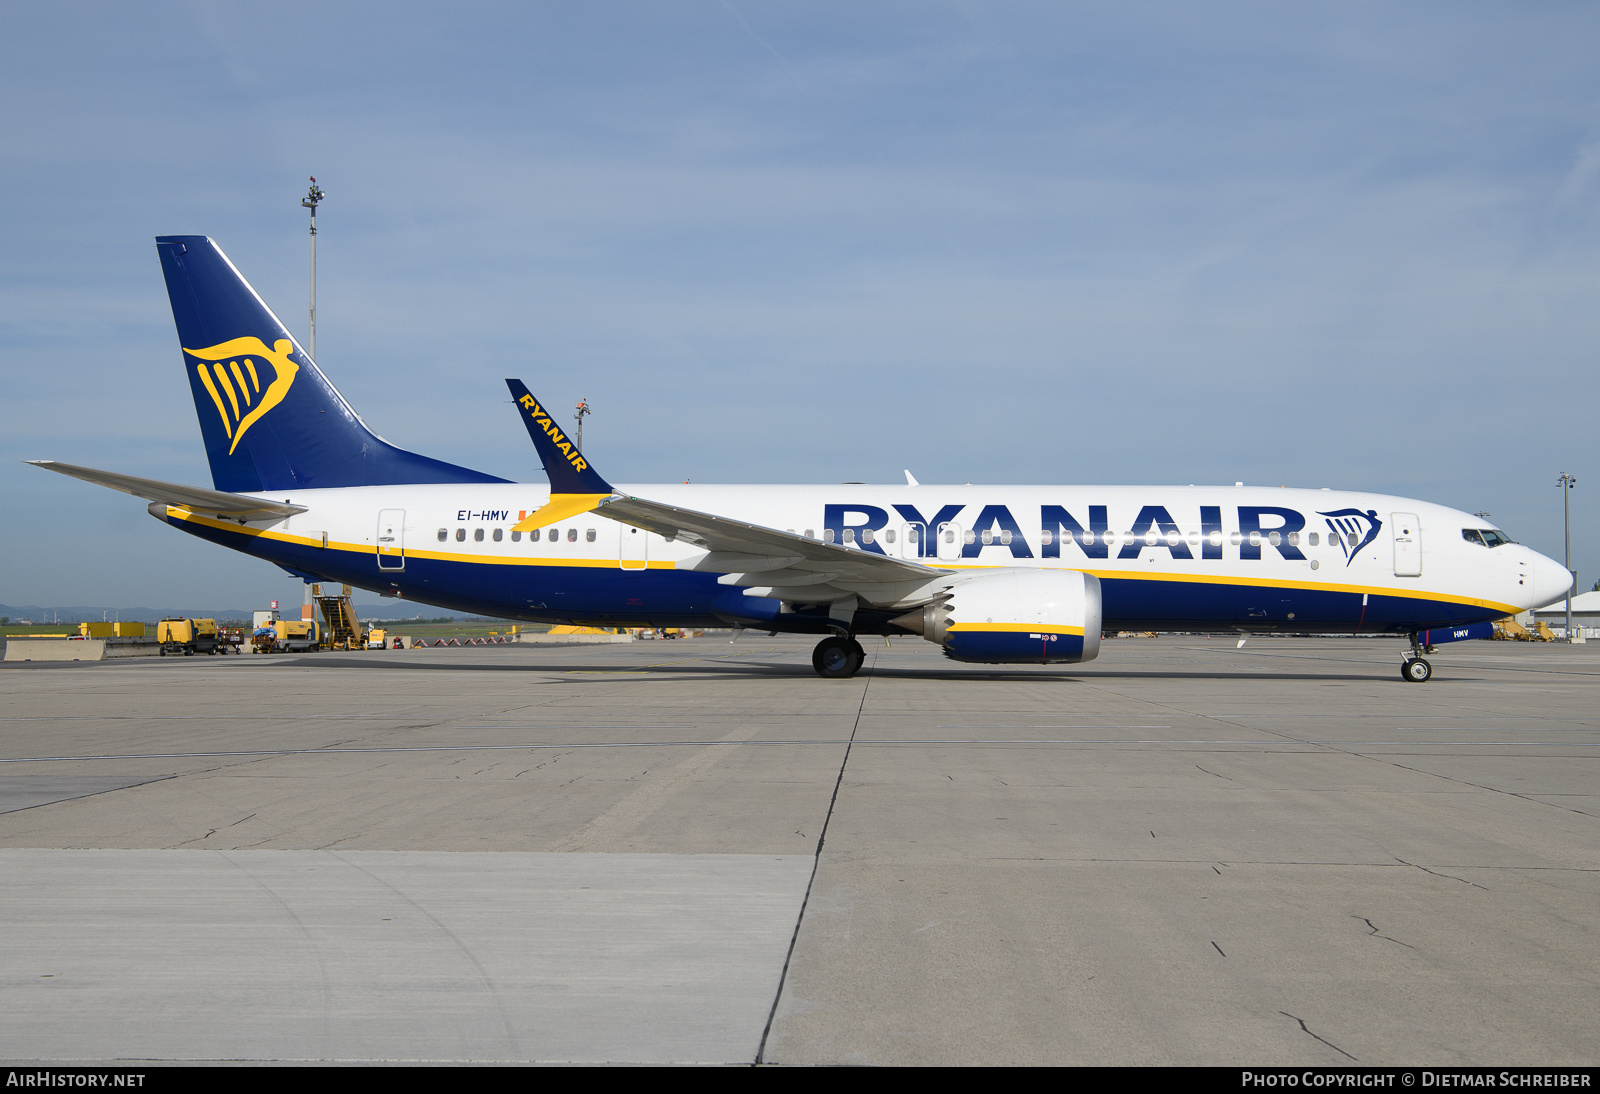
(270,419)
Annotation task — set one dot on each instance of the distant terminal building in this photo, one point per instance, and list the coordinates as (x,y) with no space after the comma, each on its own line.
(1585,615)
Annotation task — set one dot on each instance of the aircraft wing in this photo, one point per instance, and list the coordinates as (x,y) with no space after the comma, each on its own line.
(753,555)
(194,498)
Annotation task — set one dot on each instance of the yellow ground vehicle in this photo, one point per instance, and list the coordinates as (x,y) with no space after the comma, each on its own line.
(296,635)
(376,638)
(187,636)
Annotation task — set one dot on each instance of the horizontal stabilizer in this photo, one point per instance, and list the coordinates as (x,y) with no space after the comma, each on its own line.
(194,498)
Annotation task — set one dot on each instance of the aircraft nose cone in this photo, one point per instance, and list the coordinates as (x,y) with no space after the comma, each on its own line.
(1550,581)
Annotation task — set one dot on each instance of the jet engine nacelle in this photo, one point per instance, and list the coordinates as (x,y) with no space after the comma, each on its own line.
(1015,617)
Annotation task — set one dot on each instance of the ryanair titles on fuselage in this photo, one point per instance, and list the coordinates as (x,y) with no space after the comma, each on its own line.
(1275,526)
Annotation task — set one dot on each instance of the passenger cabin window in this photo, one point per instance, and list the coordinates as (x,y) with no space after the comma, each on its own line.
(1046,536)
(970,537)
(477,535)
(1312,539)
(827,535)
(1234,539)
(1294,539)
(849,535)
(889,535)
(1274,538)
(572,535)
(1005,538)
(589,536)
(866,535)
(553,535)
(810,534)
(444,534)
(499,533)
(516,536)
(461,534)
(987,537)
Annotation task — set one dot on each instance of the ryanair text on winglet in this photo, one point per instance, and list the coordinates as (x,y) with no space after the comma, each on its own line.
(542,420)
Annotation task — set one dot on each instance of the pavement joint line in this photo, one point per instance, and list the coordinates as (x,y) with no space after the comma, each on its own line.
(1347,750)
(816,864)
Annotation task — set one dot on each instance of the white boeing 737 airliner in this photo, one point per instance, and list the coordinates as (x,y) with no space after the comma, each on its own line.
(993,574)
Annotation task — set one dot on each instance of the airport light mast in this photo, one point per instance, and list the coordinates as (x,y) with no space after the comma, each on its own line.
(1567,482)
(583,412)
(312,199)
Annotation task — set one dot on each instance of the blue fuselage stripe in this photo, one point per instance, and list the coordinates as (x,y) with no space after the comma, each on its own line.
(603,595)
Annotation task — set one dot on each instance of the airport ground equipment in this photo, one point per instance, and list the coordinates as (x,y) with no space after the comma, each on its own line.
(341,630)
(296,636)
(187,636)
(377,638)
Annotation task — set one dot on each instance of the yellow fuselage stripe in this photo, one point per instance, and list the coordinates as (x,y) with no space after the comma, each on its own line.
(609,563)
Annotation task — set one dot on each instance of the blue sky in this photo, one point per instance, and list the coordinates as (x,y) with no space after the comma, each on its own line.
(1324,245)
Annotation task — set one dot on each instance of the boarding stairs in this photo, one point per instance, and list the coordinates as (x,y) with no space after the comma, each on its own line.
(341,630)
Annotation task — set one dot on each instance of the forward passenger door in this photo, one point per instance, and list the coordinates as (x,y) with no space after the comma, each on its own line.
(1407,544)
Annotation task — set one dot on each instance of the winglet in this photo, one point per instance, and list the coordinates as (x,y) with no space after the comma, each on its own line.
(575,487)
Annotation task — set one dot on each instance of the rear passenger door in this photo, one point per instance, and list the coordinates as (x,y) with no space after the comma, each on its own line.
(392,539)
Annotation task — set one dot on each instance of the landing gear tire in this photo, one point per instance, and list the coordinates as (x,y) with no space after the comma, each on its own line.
(837,658)
(1415,670)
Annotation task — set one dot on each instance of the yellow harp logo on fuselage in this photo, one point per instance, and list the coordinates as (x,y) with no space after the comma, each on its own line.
(232,377)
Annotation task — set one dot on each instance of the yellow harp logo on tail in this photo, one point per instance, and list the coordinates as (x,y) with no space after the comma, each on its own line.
(232,377)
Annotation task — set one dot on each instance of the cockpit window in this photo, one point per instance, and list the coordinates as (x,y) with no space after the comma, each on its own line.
(1472,535)
(1485,537)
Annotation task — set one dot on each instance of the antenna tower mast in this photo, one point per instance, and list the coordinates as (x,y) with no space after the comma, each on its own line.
(312,199)
(583,411)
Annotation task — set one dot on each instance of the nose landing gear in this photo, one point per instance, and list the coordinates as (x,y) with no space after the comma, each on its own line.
(837,658)
(1414,668)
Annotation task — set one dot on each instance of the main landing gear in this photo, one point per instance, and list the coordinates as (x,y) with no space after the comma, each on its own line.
(1414,668)
(837,657)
